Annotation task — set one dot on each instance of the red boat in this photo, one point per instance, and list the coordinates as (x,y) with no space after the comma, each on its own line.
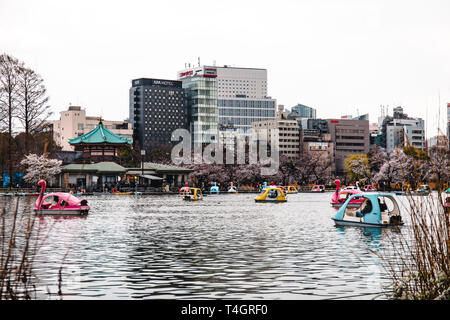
(59,203)
(340,196)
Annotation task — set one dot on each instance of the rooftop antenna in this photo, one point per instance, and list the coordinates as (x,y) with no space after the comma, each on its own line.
(199,61)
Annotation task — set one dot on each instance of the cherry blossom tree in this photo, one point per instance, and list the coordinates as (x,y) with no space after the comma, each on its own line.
(391,170)
(39,167)
(437,168)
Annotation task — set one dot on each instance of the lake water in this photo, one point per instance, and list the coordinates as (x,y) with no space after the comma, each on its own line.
(224,247)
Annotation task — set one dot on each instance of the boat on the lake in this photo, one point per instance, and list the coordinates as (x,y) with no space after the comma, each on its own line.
(290,189)
(232,188)
(214,189)
(59,203)
(184,190)
(318,188)
(194,194)
(356,187)
(340,196)
(272,194)
(377,210)
(123,193)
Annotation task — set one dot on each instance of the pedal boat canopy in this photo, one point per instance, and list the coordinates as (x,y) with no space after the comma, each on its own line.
(193,194)
(376,210)
(272,194)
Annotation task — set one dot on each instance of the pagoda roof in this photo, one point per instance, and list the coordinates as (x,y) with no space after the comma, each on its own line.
(99,135)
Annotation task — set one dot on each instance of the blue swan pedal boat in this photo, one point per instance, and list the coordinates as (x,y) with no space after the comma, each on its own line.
(377,210)
(214,189)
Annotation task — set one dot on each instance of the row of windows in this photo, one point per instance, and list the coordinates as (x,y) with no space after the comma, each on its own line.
(289,146)
(247,112)
(350,131)
(162,97)
(350,137)
(156,129)
(165,110)
(171,92)
(158,116)
(239,121)
(163,104)
(351,151)
(348,144)
(246,103)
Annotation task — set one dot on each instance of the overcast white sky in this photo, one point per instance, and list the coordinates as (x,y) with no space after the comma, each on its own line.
(340,57)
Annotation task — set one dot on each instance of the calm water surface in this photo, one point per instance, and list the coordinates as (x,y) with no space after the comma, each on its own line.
(224,247)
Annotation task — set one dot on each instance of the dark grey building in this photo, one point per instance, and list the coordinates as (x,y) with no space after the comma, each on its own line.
(157,108)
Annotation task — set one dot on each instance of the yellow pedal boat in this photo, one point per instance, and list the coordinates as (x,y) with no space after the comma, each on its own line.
(194,194)
(272,194)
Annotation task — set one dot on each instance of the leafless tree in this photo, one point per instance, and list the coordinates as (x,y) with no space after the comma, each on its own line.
(32,110)
(8,96)
(8,90)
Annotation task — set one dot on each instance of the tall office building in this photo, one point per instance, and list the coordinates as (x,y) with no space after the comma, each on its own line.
(349,137)
(157,108)
(201,91)
(241,95)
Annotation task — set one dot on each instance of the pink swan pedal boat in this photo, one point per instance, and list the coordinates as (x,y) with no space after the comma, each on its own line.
(59,203)
(339,197)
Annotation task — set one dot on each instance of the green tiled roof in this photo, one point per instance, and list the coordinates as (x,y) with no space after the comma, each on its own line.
(100,167)
(99,135)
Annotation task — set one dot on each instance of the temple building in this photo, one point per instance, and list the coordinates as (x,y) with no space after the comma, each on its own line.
(99,144)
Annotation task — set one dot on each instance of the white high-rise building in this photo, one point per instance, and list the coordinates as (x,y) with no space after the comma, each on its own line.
(241,82)
(241,95)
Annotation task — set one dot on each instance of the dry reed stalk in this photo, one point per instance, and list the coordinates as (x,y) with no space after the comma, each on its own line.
(419,267)
(16,276)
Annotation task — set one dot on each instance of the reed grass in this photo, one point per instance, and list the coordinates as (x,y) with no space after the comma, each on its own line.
(16,255)
(419,265)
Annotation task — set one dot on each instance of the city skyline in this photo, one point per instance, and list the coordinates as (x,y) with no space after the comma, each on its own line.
(340,59)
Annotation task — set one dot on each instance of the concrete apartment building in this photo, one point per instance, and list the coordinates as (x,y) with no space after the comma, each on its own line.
(74,123)
(289,134)
(400,130)
(349,137)
(241,95)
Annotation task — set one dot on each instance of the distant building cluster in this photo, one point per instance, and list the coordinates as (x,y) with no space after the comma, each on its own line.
(214,102)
